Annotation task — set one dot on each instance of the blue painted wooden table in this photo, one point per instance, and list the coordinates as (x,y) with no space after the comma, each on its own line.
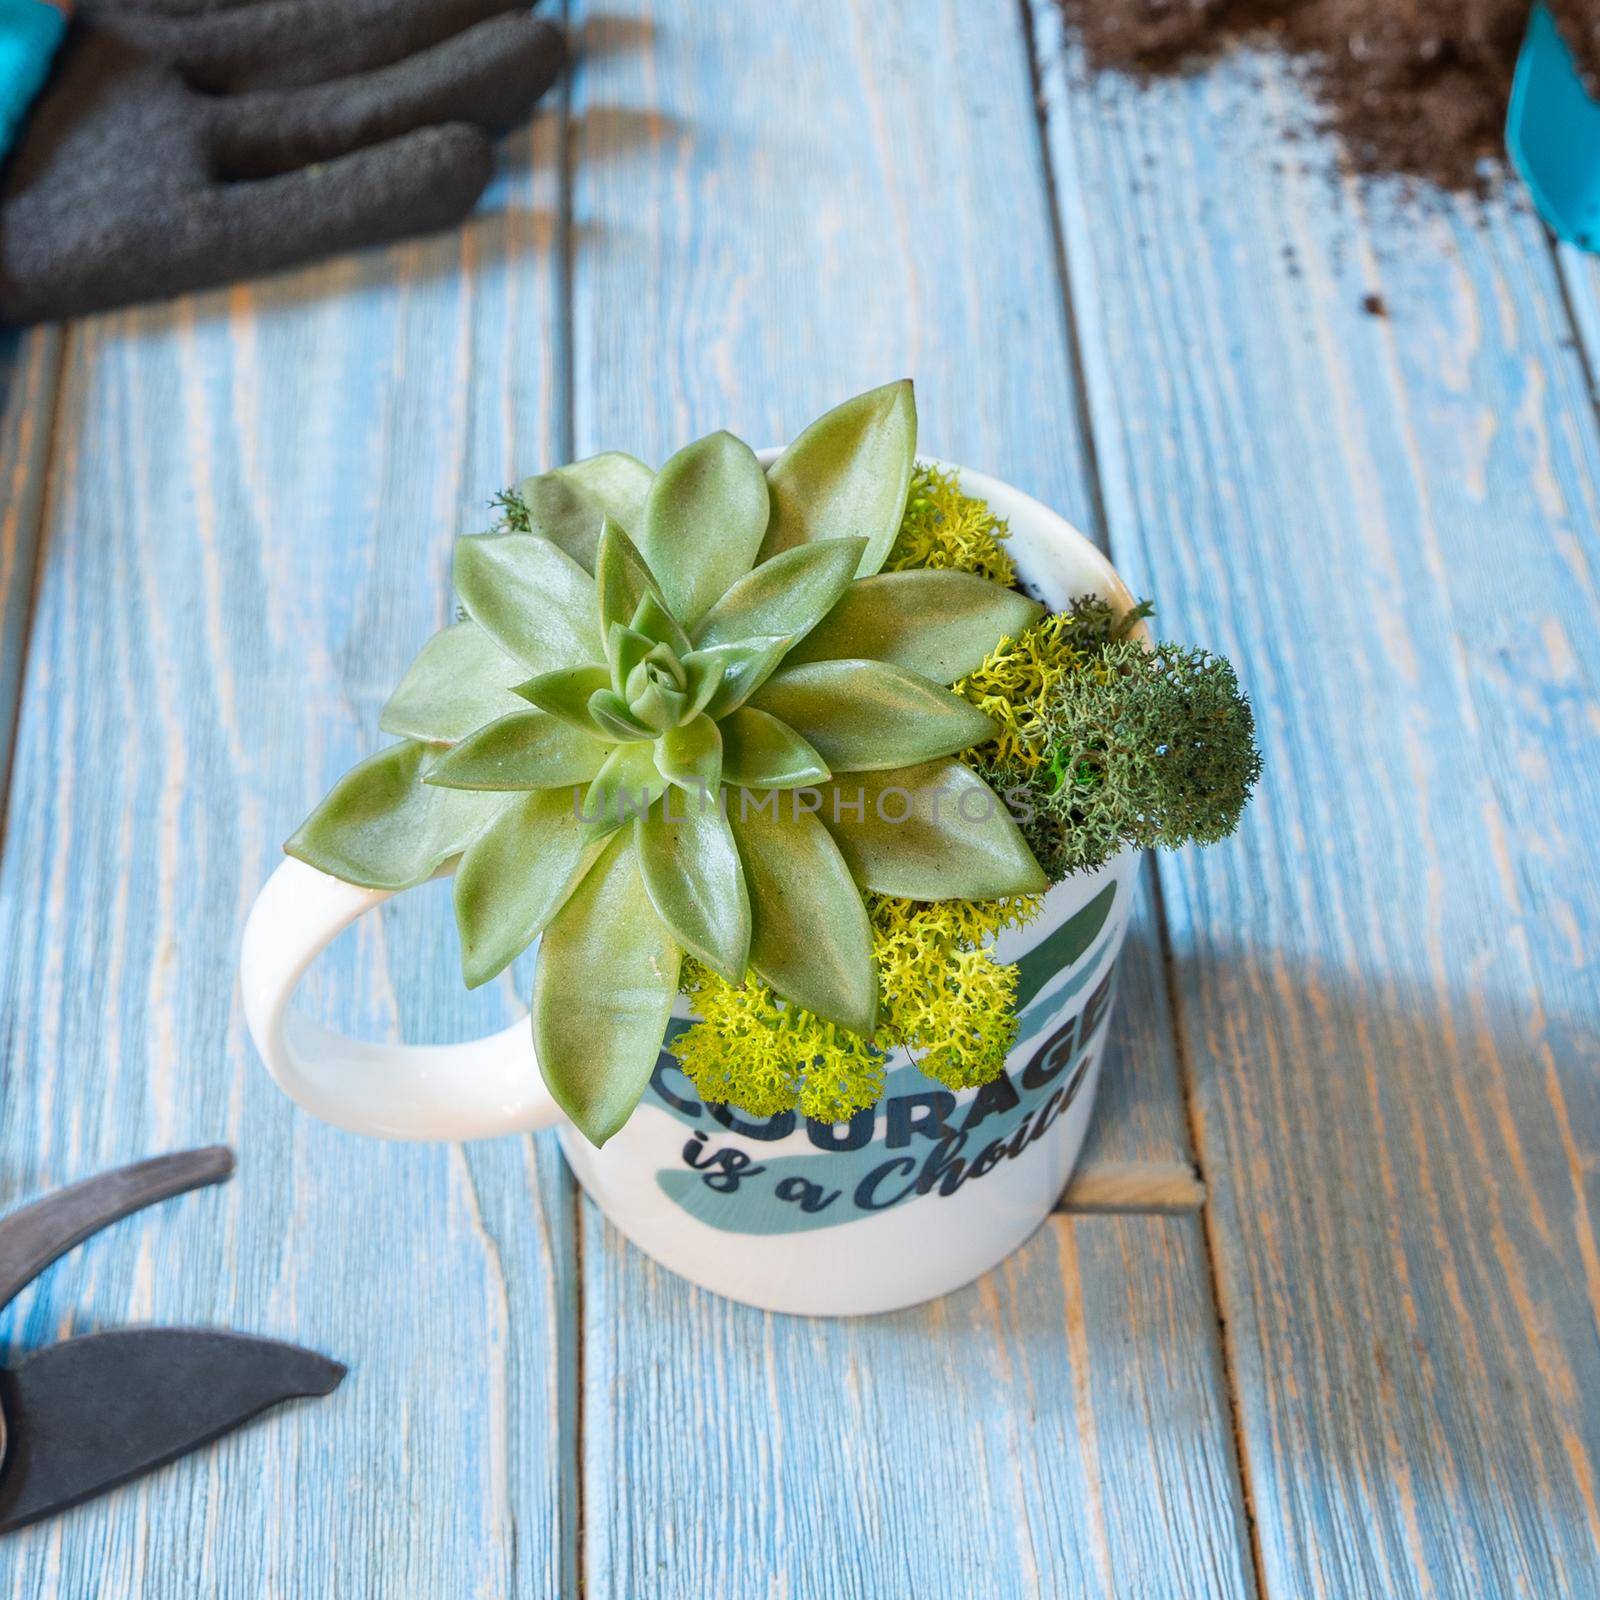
(1319,1315)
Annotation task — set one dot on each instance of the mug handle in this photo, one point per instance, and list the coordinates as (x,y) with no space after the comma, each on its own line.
(475,1090)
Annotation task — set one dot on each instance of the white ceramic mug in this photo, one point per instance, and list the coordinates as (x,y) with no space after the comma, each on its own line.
(905,1202)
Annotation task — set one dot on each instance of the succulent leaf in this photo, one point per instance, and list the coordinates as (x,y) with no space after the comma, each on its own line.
(847,475)
(514,877)
(786,596)
(660,667)
(941,625)
(460,680)
(566,693)
(616,482)
(695,881)
(864,716)
(622,579)
(652,619)
(568,505)
(557,509)
(935,831)
(691,755)
(703,673)
(610,714)
(625,649)
(530,597)
(809,934)
(656,704)
(759,752)
(603,989)
(526,750)
(624,788)
(704,520)
(742,669)
(382,827)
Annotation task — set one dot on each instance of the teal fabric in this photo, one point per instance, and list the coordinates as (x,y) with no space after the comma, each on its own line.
(30,34)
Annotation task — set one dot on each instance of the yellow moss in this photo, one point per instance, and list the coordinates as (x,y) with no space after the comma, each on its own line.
(963,1036)
(946,529)
(1020,676)
(840,1083)
(942,995)
(753,1048)
(949,1002)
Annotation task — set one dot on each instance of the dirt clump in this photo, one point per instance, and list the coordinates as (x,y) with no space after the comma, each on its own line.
(1416,88)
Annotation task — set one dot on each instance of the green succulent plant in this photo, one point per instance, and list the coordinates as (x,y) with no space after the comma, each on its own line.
(648,668)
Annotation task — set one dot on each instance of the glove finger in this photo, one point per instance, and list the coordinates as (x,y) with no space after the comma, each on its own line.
(99,10)
(422,181)
(279,44)
(489,76)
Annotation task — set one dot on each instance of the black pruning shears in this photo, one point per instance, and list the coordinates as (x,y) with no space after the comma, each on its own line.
(82,1416)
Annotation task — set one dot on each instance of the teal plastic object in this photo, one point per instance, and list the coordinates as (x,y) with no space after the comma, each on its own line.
(30,32)
(1553,134)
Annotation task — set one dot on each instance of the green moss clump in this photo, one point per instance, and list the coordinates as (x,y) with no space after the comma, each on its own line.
(946,529)
(1142,748)
(942,996)
(513,513)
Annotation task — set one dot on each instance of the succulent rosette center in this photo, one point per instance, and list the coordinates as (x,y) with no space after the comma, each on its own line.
(667,727)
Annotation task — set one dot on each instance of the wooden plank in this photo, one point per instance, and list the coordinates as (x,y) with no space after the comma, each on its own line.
(1386,986)
(772,211)
(256,494)
(771,215)
(30,369)
(1058,1428)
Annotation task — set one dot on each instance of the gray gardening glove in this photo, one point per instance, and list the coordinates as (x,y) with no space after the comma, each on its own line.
(185,143)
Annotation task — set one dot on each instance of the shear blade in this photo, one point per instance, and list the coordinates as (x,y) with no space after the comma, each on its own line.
(88,1414)
(30,1239)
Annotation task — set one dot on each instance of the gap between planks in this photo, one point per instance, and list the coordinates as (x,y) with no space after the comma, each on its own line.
(1159,1188)
(30,394)
(1155,1187)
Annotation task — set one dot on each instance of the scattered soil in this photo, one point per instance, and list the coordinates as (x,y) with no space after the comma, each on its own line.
(1579,21)
(1415,87)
